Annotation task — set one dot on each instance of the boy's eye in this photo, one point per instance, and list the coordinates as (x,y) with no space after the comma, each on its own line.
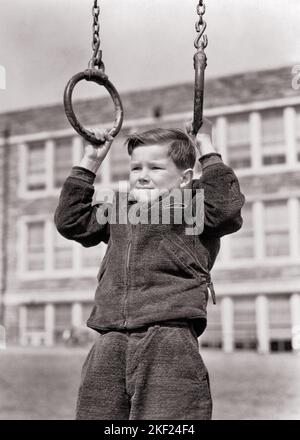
(135,168)
(157,168)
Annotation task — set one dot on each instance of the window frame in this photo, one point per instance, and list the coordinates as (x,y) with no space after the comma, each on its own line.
(49,271)
(270,151)
(232,144)
(242,230)
(275,230)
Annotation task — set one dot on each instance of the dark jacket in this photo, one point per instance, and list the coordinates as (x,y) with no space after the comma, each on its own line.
(152,272)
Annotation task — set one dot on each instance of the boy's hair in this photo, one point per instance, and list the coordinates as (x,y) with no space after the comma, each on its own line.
(181,147)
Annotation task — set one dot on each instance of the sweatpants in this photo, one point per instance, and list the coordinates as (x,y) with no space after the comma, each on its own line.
(148,374)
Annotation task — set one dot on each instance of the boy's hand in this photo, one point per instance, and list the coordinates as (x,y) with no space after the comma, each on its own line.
(95,154)
(203,139)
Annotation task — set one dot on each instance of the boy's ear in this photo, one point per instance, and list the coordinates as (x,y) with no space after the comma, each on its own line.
(186,177)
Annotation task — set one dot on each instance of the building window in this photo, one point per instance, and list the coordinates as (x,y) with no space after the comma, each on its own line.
(242,242)
(63,160)
(298,132)
(280,323)
(212,337)
(238,141)
(276,228)
(36,166)
(36,246)
(63,322)
(48,253)
(244,323)
(119,160)
(35,318)
(273,142)
(48,163)
(63,252)
(92,256)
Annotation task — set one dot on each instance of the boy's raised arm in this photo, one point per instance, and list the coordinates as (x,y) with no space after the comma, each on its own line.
(75,217)
(223,199)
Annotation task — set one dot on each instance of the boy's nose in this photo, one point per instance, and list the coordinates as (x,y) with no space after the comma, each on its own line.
(143,176)
(143,180)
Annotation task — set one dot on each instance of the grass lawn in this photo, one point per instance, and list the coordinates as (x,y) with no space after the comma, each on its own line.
(42,384)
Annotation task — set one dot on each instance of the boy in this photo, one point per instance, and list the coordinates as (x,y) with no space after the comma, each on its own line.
(153,284)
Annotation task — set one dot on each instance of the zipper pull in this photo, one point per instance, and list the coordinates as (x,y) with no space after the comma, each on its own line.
(211,289)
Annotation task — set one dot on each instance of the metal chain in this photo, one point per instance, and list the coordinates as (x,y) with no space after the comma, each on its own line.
(96,60)
(96,26)
(201,41)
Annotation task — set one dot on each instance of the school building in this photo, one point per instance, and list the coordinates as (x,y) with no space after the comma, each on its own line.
(48,283)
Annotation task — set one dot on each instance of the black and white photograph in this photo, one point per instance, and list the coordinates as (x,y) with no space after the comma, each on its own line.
(150,213)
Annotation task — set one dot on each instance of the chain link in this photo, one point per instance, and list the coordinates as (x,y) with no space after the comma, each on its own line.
(96,26)
(201,40)
(96,60)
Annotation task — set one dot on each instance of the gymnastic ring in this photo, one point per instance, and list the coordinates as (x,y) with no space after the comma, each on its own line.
(100,78)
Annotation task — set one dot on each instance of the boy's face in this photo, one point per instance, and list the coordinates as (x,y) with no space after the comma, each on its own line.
(151,168)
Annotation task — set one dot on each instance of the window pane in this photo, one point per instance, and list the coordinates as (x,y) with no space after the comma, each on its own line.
(63,252)
(238,141)
(63,316)
(274,159)
(36,166)
(242,242)
(279,317)
(242,246)
(63,322)
(277,244)
(63,160)
(244,323)
(212,337)
(91,257)
(273,142)
(276,216)
(35,246)
(238,128)
(276,228)
(272,125)
(35,317)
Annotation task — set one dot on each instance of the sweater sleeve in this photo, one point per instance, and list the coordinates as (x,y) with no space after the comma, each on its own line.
(75,217)
(223,199)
